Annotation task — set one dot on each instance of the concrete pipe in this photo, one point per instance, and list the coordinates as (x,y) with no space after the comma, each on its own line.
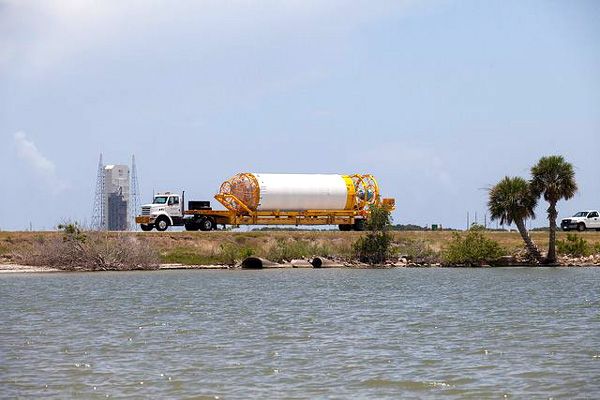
(322,262)
(258,263)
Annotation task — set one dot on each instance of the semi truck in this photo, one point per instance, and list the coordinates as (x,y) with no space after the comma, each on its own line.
(272,199)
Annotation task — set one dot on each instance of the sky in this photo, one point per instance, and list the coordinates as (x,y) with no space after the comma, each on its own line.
(438,99)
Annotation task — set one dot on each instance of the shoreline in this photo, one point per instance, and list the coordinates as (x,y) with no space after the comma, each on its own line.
(9,268)
(218,249)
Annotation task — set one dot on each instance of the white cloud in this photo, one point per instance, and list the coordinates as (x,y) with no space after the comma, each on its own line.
(40,164)
(37,36)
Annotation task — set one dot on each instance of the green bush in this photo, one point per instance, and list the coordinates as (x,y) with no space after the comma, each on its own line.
(471,248)
(597,248)
(71,232)
(375,247)
(574,245)
(230,253)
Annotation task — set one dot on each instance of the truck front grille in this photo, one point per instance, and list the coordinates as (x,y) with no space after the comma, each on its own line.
(145,210)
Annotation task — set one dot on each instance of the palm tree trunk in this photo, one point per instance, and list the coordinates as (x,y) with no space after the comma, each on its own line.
(552,214)
(531,247)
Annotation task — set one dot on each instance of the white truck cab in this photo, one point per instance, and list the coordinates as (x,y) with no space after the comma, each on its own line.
(165,210)
(582,220)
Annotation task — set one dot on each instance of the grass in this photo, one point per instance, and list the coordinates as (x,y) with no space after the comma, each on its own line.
(201,248)
(186,256)
(287,249)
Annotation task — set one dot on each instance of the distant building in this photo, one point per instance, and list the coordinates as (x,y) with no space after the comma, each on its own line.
(116,197)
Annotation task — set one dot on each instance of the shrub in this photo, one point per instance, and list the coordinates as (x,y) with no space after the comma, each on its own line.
(230,253)
(472,248)
(374,248)
(417,250)
(77,250)
(574,245)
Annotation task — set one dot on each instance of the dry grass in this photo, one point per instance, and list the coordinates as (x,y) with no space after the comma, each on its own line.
(208,247)
(89,251)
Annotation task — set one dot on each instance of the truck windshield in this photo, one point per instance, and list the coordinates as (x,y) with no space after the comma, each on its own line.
(581,214)
(160,200)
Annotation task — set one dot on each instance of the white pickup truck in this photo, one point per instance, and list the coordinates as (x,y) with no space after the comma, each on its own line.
(581,221)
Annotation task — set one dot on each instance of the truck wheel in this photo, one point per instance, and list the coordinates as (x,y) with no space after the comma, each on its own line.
(345,227)
(161,224)
(207,224)
(581,227)
(146,228)
(359,225)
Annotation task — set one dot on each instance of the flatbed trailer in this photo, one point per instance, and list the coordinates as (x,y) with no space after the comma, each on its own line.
(346,219)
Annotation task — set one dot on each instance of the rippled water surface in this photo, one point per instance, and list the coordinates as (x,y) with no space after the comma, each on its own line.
(402,333)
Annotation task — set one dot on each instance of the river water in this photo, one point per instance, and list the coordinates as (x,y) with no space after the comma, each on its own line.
(330,333)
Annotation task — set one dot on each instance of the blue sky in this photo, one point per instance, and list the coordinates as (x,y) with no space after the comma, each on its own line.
(438,99)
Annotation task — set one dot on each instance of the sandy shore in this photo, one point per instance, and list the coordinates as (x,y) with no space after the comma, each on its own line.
(8,268)
(16,268)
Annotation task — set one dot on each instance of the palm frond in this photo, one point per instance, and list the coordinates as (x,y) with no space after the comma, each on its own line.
(511,200)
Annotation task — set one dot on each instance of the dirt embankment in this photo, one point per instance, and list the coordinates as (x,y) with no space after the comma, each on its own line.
(225,247)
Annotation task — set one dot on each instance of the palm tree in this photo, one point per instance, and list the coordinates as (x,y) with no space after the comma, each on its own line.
(554,178)
(511,200)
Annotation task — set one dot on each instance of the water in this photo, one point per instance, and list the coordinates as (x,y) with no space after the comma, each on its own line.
(403,333)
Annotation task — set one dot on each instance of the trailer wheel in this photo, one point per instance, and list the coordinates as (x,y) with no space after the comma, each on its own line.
(359,225)
(146,228)
(161,224)
(207,224)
